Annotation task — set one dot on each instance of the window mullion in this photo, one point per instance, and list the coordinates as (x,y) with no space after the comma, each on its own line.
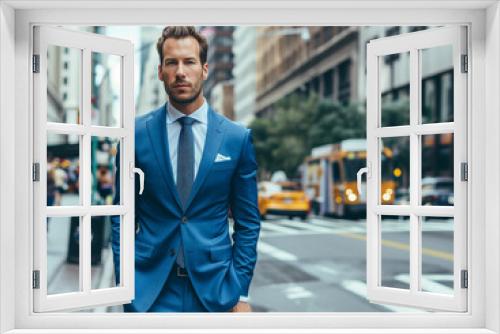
(85,232)
(415,167)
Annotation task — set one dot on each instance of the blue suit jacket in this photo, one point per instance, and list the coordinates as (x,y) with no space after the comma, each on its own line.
(220,270)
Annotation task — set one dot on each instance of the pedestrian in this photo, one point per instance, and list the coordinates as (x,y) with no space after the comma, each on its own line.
(198,165)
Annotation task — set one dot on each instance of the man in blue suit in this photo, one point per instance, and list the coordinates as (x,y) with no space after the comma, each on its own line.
(198,165)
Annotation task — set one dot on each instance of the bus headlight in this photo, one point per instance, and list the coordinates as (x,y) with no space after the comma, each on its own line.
(352,197)
(387,195)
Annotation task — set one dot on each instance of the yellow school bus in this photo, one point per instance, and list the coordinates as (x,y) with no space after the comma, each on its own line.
(329,178)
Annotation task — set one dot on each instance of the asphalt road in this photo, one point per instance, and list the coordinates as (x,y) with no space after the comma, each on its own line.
(320,265)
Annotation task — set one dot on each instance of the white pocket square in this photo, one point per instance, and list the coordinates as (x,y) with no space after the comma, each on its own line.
(220,158)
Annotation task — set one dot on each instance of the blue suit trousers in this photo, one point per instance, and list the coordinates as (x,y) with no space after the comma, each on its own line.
(177,295)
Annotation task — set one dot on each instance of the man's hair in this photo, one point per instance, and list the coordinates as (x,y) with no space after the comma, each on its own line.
(178,32)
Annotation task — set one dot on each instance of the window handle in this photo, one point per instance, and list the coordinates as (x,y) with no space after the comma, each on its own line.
(134,170)
(358,174)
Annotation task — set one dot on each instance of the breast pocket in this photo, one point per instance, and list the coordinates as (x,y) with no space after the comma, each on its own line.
(223,165)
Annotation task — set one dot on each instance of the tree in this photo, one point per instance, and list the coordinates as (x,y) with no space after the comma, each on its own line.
(298,124)
(333,122)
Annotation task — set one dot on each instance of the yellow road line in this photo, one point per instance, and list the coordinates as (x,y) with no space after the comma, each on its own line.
(402,246)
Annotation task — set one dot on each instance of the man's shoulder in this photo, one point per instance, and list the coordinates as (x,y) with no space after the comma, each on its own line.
(142,120)
(148,115)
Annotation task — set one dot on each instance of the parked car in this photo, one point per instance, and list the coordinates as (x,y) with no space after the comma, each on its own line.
(283,198)
(437,191)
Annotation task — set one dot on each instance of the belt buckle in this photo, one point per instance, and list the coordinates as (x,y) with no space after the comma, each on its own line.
(181,272)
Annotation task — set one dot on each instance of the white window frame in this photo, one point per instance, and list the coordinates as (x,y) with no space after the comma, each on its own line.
(483,17)
(86,43)
(413,43)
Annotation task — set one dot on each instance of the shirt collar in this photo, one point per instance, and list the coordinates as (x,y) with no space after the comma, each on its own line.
(200,114)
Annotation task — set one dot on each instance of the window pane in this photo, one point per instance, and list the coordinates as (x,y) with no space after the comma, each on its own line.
(103,157)
(395,239)
(101,252)
(437,254)
(437,169)
(106,88)
(63,84)
(395,171)
(437,84)
(394,89)
(63,254)
(63,169)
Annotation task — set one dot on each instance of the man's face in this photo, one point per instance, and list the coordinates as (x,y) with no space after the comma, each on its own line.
(181,70)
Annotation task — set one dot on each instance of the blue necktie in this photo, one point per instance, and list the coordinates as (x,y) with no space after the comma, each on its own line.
(185,170)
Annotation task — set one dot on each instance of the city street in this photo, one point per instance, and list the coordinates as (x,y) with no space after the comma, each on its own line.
(317,265)
(320,265)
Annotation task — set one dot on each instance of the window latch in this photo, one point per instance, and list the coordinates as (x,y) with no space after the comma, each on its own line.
(360,173)
(134,170)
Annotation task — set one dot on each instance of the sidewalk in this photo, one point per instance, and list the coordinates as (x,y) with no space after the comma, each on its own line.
(63,277)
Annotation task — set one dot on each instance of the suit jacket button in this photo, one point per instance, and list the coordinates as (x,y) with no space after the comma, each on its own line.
(171,251)
(184,219)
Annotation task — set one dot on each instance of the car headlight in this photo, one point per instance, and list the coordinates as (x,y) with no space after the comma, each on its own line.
(352,197)
(386,197)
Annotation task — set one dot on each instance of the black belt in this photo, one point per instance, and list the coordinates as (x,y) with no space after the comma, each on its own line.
(179,271)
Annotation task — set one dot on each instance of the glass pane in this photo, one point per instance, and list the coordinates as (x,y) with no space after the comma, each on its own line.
(106,88)
(63,254)
(103,157)
(437,255)
(395,252)
(63,84)
(437,169)
(101,251)
(437,84)
(395,171)
(394,76)
(63,169)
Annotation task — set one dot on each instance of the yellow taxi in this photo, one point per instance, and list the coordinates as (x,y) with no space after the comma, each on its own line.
(283,198)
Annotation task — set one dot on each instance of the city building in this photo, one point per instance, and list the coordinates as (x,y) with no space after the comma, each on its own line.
(244,72)
(63,90)
(305,60)
(219,57)
(222,99)
(151,91)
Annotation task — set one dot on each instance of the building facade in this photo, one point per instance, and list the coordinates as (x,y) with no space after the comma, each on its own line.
(305,60)
(244,72)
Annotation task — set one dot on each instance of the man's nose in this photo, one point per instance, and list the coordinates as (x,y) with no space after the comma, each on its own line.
(180,70)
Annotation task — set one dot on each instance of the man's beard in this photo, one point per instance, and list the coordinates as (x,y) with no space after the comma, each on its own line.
(185,101)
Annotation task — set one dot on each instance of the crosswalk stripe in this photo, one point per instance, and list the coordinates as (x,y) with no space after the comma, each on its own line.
(276,228)
(306,227)
(359,288)
(275,252)
(297,292)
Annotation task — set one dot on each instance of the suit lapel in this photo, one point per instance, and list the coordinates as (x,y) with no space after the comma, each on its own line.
(212,143)
(157,129)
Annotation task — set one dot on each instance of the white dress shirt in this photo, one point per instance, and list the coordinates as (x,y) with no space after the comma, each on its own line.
(199,134)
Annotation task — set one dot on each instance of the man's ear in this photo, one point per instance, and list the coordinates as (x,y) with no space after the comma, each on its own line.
(160,74)
(205,71)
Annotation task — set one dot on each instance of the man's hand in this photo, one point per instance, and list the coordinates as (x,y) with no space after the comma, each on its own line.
(241,307)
